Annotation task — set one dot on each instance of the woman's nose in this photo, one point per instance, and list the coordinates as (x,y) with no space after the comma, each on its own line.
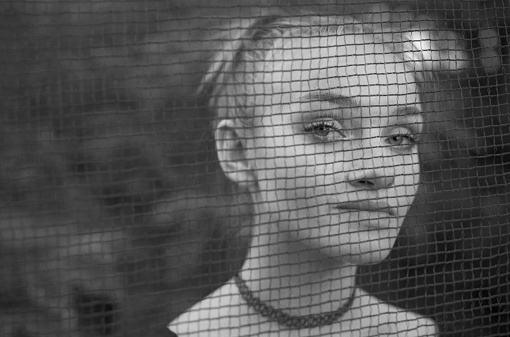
(371,169)
(371,178)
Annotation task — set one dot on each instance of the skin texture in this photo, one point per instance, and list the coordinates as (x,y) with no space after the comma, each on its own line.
(339,135)
(331,162)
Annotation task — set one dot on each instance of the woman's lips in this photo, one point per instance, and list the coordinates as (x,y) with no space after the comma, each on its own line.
(367,205)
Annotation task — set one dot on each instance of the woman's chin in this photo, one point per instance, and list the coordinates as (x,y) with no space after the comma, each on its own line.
(359,248)
(367,252)
(370,257)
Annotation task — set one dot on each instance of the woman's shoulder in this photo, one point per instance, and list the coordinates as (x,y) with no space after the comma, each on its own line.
(221,314)
(209,316)
(395,321)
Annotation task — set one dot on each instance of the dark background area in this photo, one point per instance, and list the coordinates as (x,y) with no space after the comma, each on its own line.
(114,217)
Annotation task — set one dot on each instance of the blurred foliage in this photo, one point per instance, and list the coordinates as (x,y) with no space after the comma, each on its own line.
(115,217)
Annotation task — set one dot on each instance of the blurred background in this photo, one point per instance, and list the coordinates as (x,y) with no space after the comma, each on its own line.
(114,217)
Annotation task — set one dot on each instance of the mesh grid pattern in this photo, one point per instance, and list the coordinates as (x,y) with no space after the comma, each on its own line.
(119,212)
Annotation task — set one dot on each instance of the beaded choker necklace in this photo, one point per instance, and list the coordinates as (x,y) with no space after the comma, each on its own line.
(293,322)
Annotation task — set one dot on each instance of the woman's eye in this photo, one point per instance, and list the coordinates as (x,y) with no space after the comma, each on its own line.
(402,138)
(325,130)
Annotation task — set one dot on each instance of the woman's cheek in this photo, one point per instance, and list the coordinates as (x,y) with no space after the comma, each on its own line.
(411,176)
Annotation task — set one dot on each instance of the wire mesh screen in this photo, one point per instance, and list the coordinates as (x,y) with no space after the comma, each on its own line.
(255,168)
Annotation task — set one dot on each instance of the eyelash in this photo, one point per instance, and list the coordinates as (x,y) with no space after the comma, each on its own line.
(327,125)
(413,138)
(330,125)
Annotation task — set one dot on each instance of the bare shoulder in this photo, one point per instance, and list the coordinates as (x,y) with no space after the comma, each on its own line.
(219,314)
(193,322)
(411,324)
(395,321)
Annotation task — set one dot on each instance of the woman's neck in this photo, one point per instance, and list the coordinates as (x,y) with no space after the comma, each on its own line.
(295,278)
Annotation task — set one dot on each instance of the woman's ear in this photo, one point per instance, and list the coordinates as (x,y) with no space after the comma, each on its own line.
(231,150)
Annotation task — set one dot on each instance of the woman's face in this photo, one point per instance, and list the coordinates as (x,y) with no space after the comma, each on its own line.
(334,146)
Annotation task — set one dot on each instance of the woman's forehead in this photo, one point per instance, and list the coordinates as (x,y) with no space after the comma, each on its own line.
(306,47)
(355,65)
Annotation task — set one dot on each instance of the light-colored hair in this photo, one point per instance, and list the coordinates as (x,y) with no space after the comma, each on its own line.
(244,50)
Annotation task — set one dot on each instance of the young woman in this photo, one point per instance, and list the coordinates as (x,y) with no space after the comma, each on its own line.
(319,118)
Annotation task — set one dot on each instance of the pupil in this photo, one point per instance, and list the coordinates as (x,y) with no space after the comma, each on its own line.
(322,130)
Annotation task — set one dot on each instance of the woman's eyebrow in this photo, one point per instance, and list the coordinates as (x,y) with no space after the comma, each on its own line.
(346,101)
(328,96)
(407,110)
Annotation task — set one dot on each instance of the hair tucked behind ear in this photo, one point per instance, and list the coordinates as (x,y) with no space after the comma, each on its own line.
(233,44)
(243,48)
(246,44)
